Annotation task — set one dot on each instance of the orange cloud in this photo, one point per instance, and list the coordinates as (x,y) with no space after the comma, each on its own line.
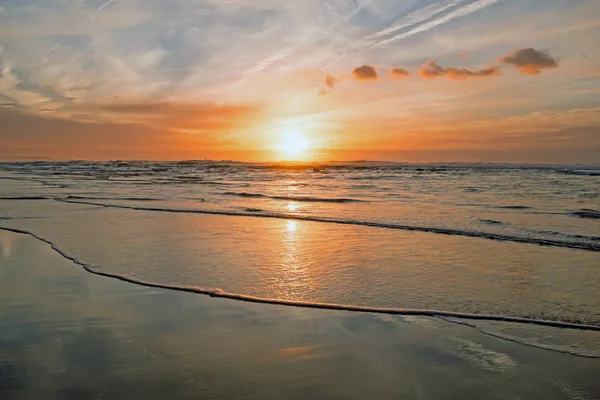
(398,73)
(431,70)
(331,80)
(365,73)
(530,61)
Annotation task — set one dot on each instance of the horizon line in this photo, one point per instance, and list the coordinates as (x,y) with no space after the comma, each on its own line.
(301,162)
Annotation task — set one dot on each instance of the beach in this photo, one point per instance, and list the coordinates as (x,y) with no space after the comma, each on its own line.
(67,334)
(328,199)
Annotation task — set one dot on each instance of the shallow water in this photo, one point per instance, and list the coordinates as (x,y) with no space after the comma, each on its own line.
(66,333)
(503,241)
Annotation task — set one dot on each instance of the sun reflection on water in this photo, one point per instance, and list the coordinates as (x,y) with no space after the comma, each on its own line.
(291,226)
(293,280)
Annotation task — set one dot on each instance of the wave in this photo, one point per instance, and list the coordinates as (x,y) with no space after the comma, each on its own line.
(586,213)
(371,177)
(26,198)
(580,172)
(511,207)
(74,197)
(442,231)
(295,198)
(305,304)
(491,222)
(473,190)
(364,186)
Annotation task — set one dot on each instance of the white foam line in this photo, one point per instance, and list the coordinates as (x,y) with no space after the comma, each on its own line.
(305,304)
(461,12)
(416,17)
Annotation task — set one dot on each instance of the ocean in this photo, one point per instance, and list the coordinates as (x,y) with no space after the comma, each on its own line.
(471,242)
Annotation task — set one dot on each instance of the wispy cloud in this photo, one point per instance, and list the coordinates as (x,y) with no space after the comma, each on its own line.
(426,26)
(420,15)
(9,87)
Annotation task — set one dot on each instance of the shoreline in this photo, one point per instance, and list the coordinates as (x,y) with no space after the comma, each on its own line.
(325,306)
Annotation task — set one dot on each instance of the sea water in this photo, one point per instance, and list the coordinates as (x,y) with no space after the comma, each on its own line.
(498,241)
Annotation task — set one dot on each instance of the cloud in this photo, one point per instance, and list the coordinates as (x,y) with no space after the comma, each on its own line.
(415,17)
(530,61)
(331,80)
(10,87)
(365,73)
(398,73)
(431,70)
(427,24)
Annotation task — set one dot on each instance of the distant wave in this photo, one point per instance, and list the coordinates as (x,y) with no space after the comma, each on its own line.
(472,190)
(112,198)
(304,304)
(75,197)
(444,231)
(26,198)
(365,186)
(500,207)
(586,213)
(296,198)
(580,172)
(491,222)
(371,177)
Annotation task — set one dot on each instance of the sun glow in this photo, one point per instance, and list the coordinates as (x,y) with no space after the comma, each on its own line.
(294,144)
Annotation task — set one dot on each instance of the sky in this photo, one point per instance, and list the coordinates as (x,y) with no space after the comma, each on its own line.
(317,80)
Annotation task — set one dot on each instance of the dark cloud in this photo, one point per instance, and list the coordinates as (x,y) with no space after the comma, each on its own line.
(398,73)
(365,73)
(331,80)
(529,60)
(431,70)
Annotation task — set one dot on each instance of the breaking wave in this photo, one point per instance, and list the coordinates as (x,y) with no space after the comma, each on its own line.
(586,213)
(590,246)
(295,198)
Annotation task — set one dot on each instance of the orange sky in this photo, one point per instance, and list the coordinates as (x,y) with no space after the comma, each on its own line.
(454,80)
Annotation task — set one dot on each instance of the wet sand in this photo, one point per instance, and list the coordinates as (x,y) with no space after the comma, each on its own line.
(68,334)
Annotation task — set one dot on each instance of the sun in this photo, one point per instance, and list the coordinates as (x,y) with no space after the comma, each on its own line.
(294,144)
